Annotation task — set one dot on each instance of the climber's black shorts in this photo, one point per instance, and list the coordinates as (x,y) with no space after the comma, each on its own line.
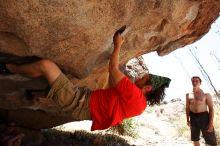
(199,122)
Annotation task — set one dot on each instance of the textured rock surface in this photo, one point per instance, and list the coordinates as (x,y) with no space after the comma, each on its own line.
(135,68)
(77,35)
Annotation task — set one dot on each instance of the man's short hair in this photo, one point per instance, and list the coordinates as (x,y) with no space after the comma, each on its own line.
(197,77)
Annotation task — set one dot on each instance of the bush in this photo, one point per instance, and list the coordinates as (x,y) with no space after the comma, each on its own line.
(127,128)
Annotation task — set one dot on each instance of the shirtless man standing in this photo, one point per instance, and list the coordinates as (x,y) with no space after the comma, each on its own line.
(200,113)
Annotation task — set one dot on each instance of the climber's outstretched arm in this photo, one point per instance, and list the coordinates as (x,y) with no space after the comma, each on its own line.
(115,75)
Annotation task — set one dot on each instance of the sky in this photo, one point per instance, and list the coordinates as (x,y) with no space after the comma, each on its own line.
(180,65)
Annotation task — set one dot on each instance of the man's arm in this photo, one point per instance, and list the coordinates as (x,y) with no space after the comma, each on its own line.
(115,74)
(211,112)
(187,109)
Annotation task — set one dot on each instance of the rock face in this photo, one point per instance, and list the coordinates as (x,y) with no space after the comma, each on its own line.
(77,35)
(135,68)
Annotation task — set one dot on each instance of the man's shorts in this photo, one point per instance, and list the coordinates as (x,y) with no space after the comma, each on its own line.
(71,101)
(199,122)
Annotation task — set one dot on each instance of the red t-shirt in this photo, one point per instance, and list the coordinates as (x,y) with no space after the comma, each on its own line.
(109,107)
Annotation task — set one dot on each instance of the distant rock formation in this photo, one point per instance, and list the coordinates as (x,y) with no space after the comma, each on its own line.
(135,67)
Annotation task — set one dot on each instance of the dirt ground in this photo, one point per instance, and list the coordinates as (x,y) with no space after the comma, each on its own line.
(157,126)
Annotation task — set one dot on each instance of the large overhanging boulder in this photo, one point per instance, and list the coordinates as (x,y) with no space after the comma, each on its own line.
(77,35)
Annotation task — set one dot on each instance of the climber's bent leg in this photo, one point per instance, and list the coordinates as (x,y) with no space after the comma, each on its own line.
(44,67)
(71,100)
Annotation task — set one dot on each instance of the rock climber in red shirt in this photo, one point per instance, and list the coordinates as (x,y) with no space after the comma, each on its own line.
(105,107)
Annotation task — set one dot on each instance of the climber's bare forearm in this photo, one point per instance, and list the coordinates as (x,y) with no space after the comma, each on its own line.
(115,74)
